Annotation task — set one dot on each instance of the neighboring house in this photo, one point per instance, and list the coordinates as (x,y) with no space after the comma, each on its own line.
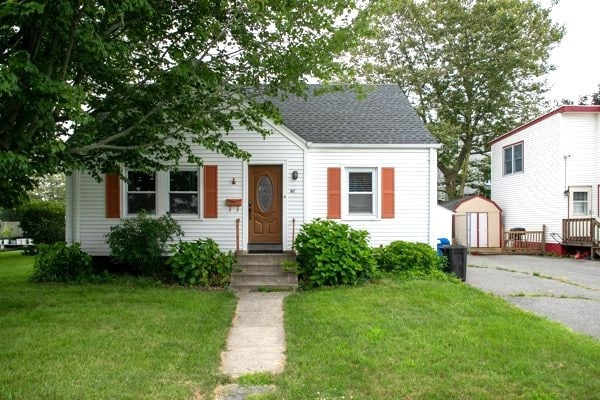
(369,163)
(476,222)
(547,172)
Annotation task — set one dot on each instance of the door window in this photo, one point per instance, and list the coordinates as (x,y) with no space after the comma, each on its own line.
(265,193)
(580,201)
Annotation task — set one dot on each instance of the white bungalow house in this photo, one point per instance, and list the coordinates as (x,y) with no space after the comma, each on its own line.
(369,163)
(547,172)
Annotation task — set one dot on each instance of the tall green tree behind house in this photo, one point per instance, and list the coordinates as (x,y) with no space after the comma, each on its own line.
(93,84)
(592,99)
(473,69)
(50,188)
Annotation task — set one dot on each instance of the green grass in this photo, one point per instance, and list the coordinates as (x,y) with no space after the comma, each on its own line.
(111,341)
(429,340)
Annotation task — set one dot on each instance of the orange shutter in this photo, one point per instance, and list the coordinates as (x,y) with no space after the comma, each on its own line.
(334,193)
(387,193)
(210,191)
(113,195)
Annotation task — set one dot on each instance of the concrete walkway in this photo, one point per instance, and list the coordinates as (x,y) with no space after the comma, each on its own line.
(256,341)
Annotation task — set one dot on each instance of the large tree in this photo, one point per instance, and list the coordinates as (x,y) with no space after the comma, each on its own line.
(592,99)
(474,69)
(95,84)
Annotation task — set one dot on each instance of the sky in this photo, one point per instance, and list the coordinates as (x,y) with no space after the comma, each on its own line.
(577,57)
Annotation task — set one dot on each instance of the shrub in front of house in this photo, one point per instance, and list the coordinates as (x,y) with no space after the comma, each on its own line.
(61,263)
(201,263)
(139,243)
(43,221)
(330,253)
(410,260)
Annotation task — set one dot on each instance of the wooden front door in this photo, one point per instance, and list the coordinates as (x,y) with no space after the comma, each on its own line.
(264,204)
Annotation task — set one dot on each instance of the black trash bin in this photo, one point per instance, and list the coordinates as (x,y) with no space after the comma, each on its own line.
(456,257)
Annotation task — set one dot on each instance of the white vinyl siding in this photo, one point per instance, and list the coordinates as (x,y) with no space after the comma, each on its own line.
(411,181)
(562,153)
(275,149)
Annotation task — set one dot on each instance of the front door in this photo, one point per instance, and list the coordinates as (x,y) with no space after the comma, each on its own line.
(264,207)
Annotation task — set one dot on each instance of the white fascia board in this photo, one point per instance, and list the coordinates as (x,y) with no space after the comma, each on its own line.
(288,133)
(344,146)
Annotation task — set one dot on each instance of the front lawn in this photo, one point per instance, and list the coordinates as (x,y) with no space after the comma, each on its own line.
(429,340)
(110,341)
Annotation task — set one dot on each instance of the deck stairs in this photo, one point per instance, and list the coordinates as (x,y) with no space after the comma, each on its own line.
(269,271)
(582,232)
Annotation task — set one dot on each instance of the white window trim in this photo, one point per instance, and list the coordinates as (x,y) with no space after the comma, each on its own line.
(162,194)
(199,192)
(376,172)
(512,159)
(580,189)
(126,194)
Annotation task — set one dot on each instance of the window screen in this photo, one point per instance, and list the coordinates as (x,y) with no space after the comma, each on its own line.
(360,192)
(183,192)
(141,192)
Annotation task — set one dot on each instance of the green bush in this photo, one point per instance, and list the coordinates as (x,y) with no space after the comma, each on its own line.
(44,222)
(201,263)
(400,256)
(330,253)
(61,263)
(139,243)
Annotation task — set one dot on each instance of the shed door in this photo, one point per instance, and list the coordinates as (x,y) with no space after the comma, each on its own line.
(471,229)
(482,230)
(265,204)
(477,230)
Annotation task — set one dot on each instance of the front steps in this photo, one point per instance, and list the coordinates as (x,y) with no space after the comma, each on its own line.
(264,271)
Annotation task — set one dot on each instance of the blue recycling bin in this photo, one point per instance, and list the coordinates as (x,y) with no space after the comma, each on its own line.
(442,242)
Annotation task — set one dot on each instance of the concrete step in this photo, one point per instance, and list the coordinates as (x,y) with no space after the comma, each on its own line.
(255,271)
(262,279)
(259,288)
(262,269)
(265,259)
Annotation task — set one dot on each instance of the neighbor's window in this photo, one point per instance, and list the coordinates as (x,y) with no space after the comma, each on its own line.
(141,192)
(580,203)
(183,192)
(513,159)
(361,191)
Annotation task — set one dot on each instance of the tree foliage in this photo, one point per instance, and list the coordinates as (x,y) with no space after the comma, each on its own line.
(49,188)
(474,69)
(43,221)
(592,99)
(94,84)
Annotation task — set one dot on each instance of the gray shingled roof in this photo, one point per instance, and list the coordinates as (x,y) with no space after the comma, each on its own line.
(384,117)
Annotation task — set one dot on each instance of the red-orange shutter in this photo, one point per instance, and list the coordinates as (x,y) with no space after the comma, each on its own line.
(113,195)
(211,192)
(334,193)
(387,193)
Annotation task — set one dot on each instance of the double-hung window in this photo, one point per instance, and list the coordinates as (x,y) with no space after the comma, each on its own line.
(513,158)
(361,191)
(183,192)
(141,192)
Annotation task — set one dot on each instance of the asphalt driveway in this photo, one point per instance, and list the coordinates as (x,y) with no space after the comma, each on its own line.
(562,289)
